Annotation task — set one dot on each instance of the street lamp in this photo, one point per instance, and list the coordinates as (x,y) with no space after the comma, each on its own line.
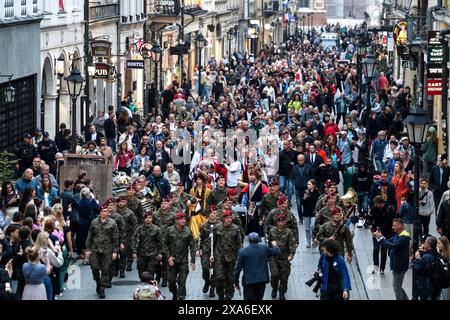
(370,64)
(74,84)
(417,124)
(156,53)
(59,67)
(230,35)
(9,91)
(201,43)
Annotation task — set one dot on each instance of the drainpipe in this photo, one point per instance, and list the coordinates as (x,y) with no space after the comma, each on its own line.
(445,76)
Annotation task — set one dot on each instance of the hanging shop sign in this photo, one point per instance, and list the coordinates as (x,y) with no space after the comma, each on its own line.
(434,39)
(135,64)
(401,33)
(101,48)
(434,87)
(102,71)
(434,71)
(435,54)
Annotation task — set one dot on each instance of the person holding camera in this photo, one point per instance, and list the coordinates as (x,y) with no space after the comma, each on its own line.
(335,280)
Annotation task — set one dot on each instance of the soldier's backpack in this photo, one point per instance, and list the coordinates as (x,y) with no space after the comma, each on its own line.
(148,291)
(441,273)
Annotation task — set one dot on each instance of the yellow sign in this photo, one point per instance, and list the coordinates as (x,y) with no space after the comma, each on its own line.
(401,33)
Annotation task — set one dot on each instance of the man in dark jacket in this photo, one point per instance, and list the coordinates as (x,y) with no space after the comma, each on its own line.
(93,135)
(423,267)
(328,172)
(47,149)
(286,164)
(25,153)
(254,259)
(156,180)
(160,156)
(439,177)
(399,254)
(110,130)
(301,174)
(443,219)
(385,189)
(68,198)
(361,182)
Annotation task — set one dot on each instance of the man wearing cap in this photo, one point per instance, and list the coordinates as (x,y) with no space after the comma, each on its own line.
(330,188)
(218,194)
(324,214)
(227,242)
(25,154)
(147,247)
(133,203)
(204,250)
(183,199)
(102,245)
(253,260)
(269,201)
(337,230)
(126,255)
(113,214)
(47,149)
(179,244)
(280,265)
(164,218)
(227,204)
(291,221)
(405,146)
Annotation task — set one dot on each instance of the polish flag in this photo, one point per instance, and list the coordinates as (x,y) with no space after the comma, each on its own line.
(61,6)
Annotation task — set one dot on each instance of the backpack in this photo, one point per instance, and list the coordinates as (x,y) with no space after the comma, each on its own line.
(148,292)
(441,273)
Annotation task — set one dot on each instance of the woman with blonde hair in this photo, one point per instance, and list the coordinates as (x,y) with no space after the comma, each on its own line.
(34,274)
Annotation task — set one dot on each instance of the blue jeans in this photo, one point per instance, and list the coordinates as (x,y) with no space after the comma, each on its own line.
(112,143)
(309,223)
(299,199)
(379,165)
(287,187)
(48,287)
(363,201)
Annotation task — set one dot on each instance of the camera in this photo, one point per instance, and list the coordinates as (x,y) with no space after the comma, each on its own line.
(317,277)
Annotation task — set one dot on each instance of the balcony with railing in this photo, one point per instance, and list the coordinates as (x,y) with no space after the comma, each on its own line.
(109,10)
(168,8)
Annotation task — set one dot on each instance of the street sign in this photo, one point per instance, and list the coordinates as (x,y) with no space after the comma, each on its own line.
(135,64)
(405,64)
(434,39)
(435,54)
(434,71)
(101,71)
(434,87)
(101,48)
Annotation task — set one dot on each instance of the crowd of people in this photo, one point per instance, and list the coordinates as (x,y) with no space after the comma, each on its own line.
(294,127)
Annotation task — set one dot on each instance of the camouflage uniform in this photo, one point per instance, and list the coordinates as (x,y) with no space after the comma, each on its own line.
(204,245)
(180,203)
(121,226)
(291,221)
(268,203)
(177,244)
(126,256)
(236,220)
(323,216)
(148,244)
(164,220)
(135,205)
(227,243)
(215,197)
(341,233)
(102,240)
(280,267)
(322,202)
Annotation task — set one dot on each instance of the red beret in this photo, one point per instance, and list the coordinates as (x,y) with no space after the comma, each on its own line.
(104,207)
(281,217)
(148,213)
(121,198)
(227,213)
(220,176)
(274,183)
(212,207)
(282,199)
(179,215)
(335,211)
(166,199)
(109,200)
(180,184)
(131,186)
(231,192)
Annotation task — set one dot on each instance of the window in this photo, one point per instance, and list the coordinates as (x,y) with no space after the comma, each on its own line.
(303,3)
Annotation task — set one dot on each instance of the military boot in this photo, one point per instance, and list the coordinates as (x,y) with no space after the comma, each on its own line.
(211,292)
(98,287)
(101,294)
(122,274)
(129,264)
(274,293)
(282,297)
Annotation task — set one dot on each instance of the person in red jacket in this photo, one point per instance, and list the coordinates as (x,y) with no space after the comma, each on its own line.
(124,159)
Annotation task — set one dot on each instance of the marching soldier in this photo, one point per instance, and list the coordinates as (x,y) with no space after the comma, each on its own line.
(269,201)
(324,215)
(218,194)
(126,256)
(227,204)
(164,218)
(280,265)
(147,247)
(227,243)
(330,188)
(204,250)
(134,204)
(184,200)
(291,221)
(337,230)
(179,243)
(121,226)
(102,244)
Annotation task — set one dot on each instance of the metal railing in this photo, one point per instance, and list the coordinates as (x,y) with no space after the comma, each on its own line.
(104,11)
(165,8)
